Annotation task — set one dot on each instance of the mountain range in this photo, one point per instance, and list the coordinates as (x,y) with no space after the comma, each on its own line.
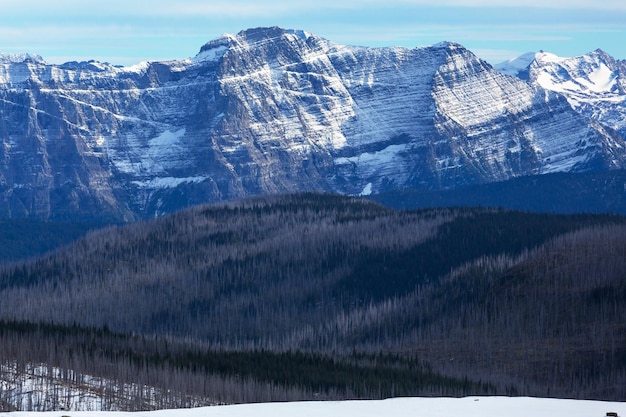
(271,110)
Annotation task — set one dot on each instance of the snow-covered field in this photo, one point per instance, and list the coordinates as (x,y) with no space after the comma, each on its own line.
(399,407)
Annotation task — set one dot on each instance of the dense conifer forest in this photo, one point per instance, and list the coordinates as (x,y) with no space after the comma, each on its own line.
(320,296)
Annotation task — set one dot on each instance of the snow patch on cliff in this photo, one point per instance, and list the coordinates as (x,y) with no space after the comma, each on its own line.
(168,182)
(168,138)
(516,65)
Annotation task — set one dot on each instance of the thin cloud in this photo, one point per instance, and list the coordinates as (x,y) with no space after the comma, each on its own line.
(497,55)
(249,8)
(540,4)
(407,33)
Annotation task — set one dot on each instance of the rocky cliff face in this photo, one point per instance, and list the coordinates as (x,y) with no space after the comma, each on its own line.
(272,110)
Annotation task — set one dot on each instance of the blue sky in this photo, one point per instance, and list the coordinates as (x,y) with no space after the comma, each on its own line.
(127,32)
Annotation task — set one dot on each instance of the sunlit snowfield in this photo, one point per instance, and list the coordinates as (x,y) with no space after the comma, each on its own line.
(399,407)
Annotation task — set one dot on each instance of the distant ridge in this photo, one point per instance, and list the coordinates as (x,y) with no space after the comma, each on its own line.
(550,193)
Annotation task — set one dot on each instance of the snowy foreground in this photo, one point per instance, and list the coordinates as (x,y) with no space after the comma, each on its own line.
(398,407)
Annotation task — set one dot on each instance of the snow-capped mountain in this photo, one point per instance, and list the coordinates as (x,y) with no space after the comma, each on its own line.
(271,110)
(594,84)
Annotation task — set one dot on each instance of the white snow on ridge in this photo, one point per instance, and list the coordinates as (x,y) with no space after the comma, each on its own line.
(137,68)
(304,35)
(548,57)
(210,54)
(515,65)
(20,57)
(398,407)
(601,80)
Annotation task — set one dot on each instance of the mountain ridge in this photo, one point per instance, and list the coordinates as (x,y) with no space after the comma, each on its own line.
(270,111)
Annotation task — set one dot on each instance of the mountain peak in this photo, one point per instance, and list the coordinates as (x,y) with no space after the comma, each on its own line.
(304,35)
(249,36)
(261,33)
(601,55)
(223,41)
(264,34)
(17,58)
(448,45)
(516,66)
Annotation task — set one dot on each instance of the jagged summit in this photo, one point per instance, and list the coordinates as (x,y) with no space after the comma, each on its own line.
(303,34)
(223,41)
(262,34)
(256,35)
(448,45)
(91,65)
(272,110)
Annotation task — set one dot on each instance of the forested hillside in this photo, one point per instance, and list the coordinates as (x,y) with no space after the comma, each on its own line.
(439,301)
